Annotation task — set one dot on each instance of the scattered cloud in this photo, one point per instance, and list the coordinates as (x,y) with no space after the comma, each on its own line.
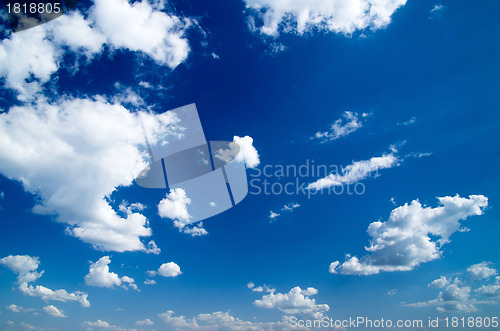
(100,276)
(272,17)
(151,248)
(73,153)
(342,127)
(98,324)
(18,309)
(457,295)
(296,301)
(356,172)
(288,208)
(414,234)
(169,269)
(481,271)
(146,322)
(150,282)
(54,311)
(263,288)
(411,121)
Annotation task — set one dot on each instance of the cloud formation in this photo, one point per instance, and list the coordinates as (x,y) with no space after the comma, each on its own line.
(342,127)
(26,269)
(100,276)
(169,269)
(73,154)
(412,235)
(272,17)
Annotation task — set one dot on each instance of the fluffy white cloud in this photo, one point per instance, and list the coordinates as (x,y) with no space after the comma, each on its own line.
(174,206)
(14,308)
(99,275)
(456,295)
(35,54)
(25,267)
(151,248)
(248,153)
(403,242)
(196,230)
(98,324)
(74,154)
(260,288)
(340,16)
(169,269)
(47,294)
(296,301)
(53,311)
(150,282)
(220,321)
(342,127)
(356,172)
(481,271)
(146,322)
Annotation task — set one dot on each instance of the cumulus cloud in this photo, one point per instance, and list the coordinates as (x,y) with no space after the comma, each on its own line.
(481,271)
(219,321)
(457,294)
(25,267)
(53,311)
(15,309)
(296,301)
(35,54)
(414,234)
(98,324)
(270,17)
(169,269)
(100,276)
(73,154)
(151,248)
(356,172)
(349,123)
(242,150)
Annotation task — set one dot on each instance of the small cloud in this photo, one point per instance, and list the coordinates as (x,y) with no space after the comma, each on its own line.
(392,292)
(288,208)
(347,124)
(100,276)
(151,248)
(169,269)
(215,56)
(146,322)
(411,121)
(150,282)
(436,12)
(54,311)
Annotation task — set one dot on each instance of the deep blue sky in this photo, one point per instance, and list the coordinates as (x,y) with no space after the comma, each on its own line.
(442,71)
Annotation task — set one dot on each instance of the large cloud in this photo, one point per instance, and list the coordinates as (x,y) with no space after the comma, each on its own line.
(340,16)
(73,154)
(25,267)
(28,59)
(404,241)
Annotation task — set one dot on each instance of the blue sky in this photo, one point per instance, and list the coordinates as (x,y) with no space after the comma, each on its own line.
(400,96)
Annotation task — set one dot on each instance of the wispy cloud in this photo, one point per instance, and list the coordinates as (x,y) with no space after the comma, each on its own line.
(347,124)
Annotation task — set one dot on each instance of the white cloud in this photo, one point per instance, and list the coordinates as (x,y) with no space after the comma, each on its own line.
(288,208)
(411,121)
(47,294)
(392,292)
(150,282)
(403,242)
(302,16)
(139,27)
(481,271)
(169,269)
(174,206)
(53,311)
(220,321)
(356,172)
(76,152)
(436,12)
(296,301)
(146,322)
(248,153)
(99,275)
(24,266)
(456,295)
(262,288)
(341,128)
(196,230)
(98,324)
(151,248)
(14,308)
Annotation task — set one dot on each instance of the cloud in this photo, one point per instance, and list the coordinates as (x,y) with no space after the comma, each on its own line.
(151,248)
(436,12)
(491,290)
(414,234)
(342,127)
(73,154)
(356,172)
(15,309)
(288,208)
(174,206)
(28,59)
(458,295)
(100,276)
(302,16)
(481,271)
(296,301)
(25,267)
(196,230)
(169,269)
(53,311)
(242,150)
(146,322)
(98,324)
(150,282)
(411,121)
(219,321)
